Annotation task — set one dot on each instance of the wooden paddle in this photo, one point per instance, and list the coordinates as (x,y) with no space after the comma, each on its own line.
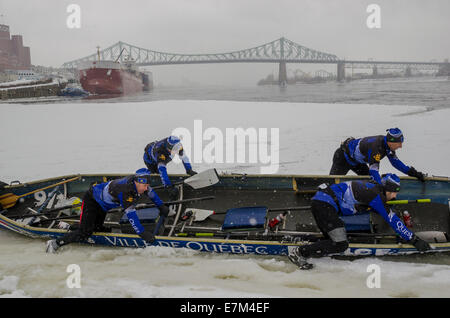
(9,200)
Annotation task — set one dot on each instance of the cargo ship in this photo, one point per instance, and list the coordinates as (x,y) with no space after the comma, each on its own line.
(103,77)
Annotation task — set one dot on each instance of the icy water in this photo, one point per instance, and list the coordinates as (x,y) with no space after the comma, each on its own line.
(426,91)
(49,138)
(430,91)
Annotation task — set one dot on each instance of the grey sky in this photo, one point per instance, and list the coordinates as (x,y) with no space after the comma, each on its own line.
(410,30)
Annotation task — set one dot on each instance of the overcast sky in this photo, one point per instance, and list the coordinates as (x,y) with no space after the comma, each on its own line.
(410,30)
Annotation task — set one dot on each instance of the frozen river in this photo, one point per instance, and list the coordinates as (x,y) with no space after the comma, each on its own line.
(46,140)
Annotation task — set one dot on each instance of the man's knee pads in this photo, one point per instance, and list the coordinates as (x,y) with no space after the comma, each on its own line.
(338,235)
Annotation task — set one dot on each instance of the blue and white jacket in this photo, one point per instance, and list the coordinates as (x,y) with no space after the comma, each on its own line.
(123,193)
(351,197)
(370,150)
(157,155)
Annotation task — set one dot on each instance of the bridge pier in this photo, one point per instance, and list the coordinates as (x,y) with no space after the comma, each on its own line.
(375,71)
(444,70)
(408,72)
(340,71)
(282,74)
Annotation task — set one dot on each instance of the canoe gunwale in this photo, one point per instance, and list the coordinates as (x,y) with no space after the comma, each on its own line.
(81,175)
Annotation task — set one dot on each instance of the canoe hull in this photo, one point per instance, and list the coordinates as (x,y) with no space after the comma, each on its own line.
(273,191)
(214,245)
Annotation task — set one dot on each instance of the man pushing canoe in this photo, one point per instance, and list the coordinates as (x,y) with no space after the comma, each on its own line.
(349,198)
(158,154)
(363,155)
(100,198)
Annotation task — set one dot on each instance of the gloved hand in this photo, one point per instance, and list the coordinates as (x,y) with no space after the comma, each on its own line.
(147,236)
(420,244)
(191,172)
(417,174)
(164,210)
(173,192)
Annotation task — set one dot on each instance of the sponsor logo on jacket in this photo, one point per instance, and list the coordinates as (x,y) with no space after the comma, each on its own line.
(404,230)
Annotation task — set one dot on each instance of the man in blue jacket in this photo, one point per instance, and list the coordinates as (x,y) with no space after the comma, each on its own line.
(159,153)
(348,198)
(363,156)
(100,198)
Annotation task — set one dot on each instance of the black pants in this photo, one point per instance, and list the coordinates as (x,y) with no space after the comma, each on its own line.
(92,218)
(341,166)
(152,167)
(327,220)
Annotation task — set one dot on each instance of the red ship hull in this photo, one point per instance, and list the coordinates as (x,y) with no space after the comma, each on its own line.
(111,79)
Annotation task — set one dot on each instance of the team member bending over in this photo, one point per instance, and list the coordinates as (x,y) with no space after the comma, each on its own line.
(348,198)
(363,155)
(100,198)
(159,153)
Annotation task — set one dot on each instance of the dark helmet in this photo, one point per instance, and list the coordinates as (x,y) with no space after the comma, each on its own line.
(394,135)
(142,176)
(391,182)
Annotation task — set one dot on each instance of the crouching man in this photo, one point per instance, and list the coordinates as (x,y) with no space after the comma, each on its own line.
(346,199)
(100,198)
(158,154)
(363,156)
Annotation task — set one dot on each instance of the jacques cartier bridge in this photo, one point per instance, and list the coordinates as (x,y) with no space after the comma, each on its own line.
(280,51)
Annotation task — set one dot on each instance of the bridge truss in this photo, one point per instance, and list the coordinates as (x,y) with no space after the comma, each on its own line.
(281,50)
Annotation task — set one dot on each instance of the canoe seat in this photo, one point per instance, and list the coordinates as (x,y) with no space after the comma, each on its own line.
(357,223)
(246,218)
(149,215)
